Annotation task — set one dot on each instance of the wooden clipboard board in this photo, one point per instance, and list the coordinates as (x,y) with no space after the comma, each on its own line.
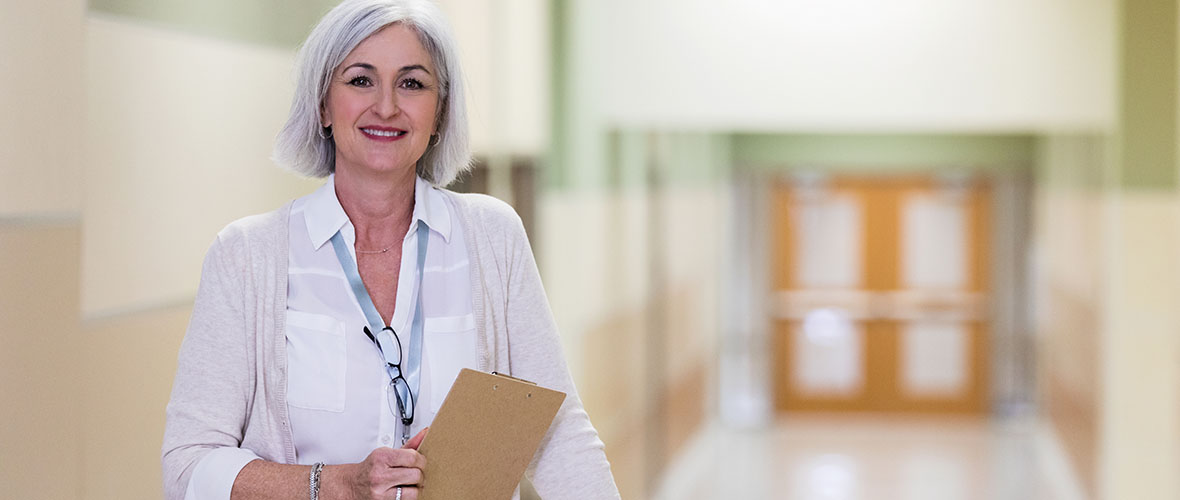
(484,436)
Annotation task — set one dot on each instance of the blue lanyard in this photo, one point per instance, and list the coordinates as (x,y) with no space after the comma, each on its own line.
(384,340)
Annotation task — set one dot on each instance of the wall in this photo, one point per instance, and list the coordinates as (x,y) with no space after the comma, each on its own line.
(1140,415)
(1070,288)
(852,65)
(43,107)
(1108,348)
(181,128)
(505,49)
(633,271)
(40,241)
(1107,234)
(866,153)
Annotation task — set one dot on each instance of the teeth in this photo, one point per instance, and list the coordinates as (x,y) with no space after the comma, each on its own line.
(383,133)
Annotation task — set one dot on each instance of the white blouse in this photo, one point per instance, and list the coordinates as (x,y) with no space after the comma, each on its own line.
(337,387)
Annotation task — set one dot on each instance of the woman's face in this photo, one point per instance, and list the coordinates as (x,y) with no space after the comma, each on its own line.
(382,102)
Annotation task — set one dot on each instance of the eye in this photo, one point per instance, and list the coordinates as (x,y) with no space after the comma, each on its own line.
(360,81)
(411,84)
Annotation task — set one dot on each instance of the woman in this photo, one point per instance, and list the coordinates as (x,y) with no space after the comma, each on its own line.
(326,333)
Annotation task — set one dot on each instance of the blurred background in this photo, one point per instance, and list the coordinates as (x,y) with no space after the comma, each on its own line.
(799,249)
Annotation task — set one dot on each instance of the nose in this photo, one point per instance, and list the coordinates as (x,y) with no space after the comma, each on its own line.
(386,105)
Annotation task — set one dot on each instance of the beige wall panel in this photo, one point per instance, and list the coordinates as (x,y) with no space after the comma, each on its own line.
(180,131)
(1140,421)
(129,364)
(689,368)
(42,104)
(523,80)
(40,351)
(606,235)
(614,398)
(616,394)
(573,228)
(694,232)
(1071,260)
(1070,313)
(690,329)
(627,247)
(694,220)
(605,304)
(474,36)
(503,46)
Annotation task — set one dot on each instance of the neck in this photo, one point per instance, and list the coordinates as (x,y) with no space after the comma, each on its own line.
(380,206)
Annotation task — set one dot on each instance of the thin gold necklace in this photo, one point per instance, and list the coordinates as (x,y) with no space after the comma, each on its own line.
(386,249)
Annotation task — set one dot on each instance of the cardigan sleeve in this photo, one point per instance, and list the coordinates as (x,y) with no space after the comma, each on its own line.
(211,394)
(571,462)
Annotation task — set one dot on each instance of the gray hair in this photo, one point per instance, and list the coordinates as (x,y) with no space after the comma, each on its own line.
(302,149)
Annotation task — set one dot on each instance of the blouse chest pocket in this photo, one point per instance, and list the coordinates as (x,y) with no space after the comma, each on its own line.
(316,361)
(450,347)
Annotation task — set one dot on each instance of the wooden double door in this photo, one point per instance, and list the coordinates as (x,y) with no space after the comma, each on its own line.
(880,294)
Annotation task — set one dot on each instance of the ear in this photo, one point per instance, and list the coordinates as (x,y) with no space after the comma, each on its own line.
(325,116)
(438,117)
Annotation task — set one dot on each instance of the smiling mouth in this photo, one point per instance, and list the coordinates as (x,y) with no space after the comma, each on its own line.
(384,133)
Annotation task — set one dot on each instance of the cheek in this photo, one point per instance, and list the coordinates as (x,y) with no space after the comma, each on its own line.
(341,108)
(426,113)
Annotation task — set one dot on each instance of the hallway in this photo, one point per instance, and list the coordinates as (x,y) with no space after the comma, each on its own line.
(981,202)
(842,457)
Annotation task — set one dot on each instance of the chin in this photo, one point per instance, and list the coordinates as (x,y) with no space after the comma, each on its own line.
(392,169)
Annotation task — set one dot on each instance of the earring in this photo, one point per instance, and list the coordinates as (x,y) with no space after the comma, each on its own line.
(435,139)
(326,136)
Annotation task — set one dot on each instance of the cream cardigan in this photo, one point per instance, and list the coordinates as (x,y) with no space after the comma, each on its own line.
(231,381)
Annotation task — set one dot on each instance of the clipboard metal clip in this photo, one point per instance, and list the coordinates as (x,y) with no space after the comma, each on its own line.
(498,374)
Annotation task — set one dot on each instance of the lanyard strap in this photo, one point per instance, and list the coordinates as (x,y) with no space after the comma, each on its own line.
(383,340)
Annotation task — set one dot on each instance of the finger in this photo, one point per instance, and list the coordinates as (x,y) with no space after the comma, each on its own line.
(381,479)
(406,476)
(408,493)
(415,441)
(408,458)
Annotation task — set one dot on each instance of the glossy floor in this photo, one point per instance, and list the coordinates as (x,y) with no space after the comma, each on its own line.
(873,458)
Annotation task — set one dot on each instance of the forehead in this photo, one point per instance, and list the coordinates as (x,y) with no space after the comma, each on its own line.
(391,47)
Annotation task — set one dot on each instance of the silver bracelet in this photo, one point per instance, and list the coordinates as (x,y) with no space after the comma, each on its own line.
(313,482)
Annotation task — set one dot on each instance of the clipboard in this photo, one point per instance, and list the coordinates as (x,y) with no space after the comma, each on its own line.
(484,436)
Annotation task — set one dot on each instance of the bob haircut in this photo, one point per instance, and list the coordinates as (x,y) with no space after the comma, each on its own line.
(300,147)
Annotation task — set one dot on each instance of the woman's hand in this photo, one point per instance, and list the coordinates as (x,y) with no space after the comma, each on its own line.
(379,475)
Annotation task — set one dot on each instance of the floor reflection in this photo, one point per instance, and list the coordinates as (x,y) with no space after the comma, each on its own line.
(842,457)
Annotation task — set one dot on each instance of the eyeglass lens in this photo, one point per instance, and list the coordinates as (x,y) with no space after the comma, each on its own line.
(390,345)
(400,399)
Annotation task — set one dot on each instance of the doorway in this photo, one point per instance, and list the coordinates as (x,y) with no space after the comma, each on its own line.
(880,294)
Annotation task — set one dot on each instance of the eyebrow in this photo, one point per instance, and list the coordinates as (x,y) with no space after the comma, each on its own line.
(404,69)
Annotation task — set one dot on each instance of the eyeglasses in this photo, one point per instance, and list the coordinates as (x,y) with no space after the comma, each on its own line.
(400,398)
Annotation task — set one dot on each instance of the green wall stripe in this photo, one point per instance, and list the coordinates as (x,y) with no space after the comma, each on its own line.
(556,172)
(1148,76)
(281,23)
(884,152)
(1074,162)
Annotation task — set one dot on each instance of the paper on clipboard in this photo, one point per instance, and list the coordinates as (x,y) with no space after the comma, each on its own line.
(484,436)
